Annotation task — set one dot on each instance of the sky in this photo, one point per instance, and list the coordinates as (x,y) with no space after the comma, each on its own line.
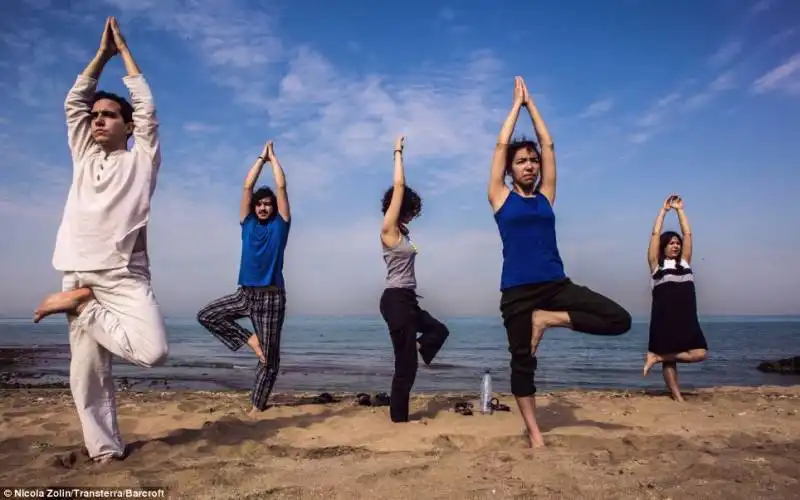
(642,99)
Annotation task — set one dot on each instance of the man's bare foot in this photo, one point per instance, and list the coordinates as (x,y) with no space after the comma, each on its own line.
(677,398)
(651,360)
(62,302)
(255,345)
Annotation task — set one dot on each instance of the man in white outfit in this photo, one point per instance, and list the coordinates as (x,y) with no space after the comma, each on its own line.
(101,246)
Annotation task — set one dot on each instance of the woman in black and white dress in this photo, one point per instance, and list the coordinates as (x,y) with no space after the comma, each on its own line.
(675,333)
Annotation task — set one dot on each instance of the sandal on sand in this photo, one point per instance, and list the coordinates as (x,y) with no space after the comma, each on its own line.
(381,399)
(464,408)
(496,405)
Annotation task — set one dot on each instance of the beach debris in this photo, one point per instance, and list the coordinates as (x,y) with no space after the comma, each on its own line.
(40,445)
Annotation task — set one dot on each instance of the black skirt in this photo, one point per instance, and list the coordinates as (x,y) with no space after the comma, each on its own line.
(674,326)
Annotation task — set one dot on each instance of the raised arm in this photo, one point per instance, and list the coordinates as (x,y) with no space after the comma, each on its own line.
(390,231)
(250,181)
(547,186)
(78,103)
(280,183)
(655,237)
(498,191)
(686,248)
(145,121)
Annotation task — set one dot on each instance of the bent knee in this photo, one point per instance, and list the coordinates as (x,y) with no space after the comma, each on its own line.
(204,317)
(622,322)
(700,354)
(153,357)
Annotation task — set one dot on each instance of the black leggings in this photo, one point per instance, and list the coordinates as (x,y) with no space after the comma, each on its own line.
(589,312)
(404,317)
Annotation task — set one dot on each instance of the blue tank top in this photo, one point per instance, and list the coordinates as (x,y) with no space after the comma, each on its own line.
(530,250)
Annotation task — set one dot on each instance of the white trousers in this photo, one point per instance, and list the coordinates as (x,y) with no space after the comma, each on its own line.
(123,319)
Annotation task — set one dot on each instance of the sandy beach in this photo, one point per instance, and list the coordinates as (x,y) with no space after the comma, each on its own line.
(720,443)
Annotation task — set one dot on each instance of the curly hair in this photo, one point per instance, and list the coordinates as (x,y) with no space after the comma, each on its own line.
(518,144)
(260,194)
(410,208)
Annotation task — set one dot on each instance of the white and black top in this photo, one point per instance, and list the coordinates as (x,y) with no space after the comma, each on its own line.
(674,326)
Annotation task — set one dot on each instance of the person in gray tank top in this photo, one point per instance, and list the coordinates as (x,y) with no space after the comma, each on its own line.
(398,305)
(400,263)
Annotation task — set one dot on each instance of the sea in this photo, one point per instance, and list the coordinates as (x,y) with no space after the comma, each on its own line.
(354,354)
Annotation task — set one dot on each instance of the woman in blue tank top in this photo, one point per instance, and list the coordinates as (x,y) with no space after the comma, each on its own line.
(398,305)
(536,292)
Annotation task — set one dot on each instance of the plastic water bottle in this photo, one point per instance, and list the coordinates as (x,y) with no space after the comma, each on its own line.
(486,393)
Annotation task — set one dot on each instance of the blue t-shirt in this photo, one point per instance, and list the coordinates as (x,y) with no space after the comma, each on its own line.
(530,251)
(262,251)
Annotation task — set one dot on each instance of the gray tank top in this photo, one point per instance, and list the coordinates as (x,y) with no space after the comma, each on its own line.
(400,264)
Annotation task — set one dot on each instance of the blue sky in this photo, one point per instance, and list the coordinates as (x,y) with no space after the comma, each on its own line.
(642,98)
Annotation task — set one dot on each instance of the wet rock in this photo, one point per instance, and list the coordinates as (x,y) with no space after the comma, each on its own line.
(786,366)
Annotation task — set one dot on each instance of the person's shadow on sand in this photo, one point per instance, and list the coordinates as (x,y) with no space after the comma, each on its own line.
(226,431)
(231,431)
(559,413)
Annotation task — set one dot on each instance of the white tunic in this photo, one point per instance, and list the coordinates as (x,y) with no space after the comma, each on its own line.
(109,199)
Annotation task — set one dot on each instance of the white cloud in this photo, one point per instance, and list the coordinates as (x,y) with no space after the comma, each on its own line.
(762,6)
(199,127)
(447,14)
(333,125)
(726,54)
(598,108)
(725,81)
(781,36)
(785,77)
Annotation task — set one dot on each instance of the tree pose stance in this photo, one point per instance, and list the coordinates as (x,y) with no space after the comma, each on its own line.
(675,333)
(265,221)
(536,293)
(101,246)
(398,305)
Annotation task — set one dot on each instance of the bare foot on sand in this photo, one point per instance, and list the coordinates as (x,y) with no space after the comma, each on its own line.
(61,302)
(535,439)
(255,345)
(651,360)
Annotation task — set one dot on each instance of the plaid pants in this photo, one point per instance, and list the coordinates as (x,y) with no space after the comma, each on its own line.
(266,310)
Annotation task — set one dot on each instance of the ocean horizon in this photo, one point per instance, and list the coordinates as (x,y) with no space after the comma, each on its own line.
(353,353)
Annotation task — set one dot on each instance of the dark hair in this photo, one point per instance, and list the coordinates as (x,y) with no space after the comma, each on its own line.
(410,208)
(666,236)
(260,194)
(126,110)
(516,145)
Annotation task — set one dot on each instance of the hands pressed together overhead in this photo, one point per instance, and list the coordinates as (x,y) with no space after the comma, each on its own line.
(521,95)
(268,153)
(673,202)
(112,41)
